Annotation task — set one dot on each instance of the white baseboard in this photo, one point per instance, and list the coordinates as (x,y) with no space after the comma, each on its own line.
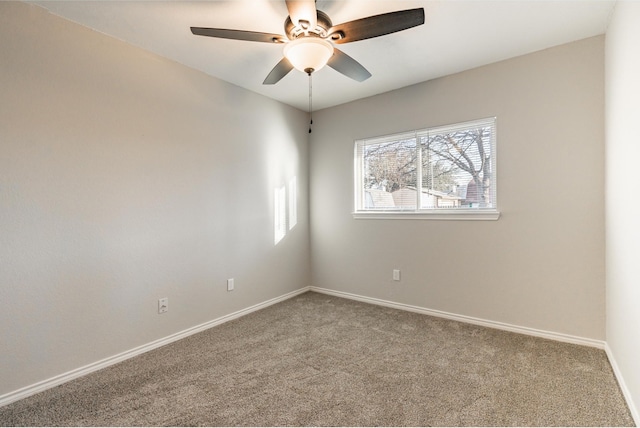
(82,371)
(560,337)
(623,386)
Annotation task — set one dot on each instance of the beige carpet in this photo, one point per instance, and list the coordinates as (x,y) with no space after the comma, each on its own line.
(324,361)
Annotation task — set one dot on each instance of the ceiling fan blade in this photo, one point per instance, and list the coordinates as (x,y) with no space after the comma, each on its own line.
(303,13)
(348,66)
(250,36)
(377,25)
(279,71)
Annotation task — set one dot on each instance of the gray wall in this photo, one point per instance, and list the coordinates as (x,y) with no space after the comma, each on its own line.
(622,225)
(125,177)
(541,265)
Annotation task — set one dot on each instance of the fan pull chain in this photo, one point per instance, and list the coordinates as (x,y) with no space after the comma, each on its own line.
(310,102)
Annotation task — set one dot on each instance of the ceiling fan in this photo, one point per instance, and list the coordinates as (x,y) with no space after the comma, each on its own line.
(310,38)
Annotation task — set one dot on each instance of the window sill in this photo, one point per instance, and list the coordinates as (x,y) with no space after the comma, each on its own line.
(428,215)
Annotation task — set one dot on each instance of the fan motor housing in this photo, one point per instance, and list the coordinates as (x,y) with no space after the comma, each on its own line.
(322,29)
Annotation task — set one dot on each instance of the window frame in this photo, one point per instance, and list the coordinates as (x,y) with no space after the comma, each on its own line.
(462,213)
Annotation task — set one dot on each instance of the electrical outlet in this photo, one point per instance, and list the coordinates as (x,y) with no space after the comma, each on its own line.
(396,274)
(163,305)
(230,284)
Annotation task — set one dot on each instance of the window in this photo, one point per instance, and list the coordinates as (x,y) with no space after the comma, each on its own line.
(443,172)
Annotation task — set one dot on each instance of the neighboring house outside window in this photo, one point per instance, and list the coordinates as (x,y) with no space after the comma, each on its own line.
(441,172)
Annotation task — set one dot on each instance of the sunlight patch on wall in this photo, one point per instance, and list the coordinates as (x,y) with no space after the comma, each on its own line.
(280,213)
(293,202)
(285,203)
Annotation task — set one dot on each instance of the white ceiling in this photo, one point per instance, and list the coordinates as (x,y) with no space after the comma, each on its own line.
(457,35)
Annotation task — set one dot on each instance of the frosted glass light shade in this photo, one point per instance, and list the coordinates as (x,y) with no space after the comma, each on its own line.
(308,53)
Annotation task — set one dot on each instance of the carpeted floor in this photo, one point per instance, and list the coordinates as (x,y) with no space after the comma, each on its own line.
(324,361)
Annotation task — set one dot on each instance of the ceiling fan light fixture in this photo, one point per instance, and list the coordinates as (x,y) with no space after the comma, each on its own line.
(308,53)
